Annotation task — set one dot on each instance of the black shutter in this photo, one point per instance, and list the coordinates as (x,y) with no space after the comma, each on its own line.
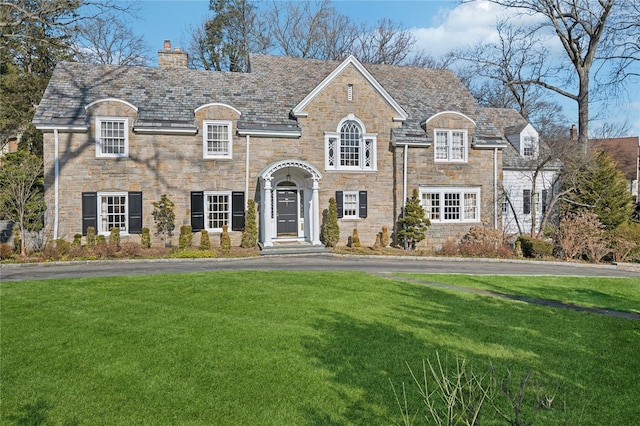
(237,211)
(135,212)
(339,203)
(545,195)
(362,199)
(89,211)
(197,211)
(526,201)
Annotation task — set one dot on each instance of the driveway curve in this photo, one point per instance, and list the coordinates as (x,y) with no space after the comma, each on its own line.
(321,262)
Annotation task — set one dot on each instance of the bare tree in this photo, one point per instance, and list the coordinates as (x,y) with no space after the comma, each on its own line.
(579,26)
(309,29)
(109,40)
(60,15)
(21,196)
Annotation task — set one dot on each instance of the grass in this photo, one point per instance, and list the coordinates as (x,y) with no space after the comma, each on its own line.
(608,293)
(294,348)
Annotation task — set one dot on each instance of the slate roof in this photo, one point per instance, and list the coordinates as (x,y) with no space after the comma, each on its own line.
(167,97)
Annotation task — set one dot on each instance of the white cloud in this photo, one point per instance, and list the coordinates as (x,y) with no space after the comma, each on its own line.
(464,25)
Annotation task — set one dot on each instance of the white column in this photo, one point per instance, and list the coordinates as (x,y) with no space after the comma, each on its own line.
(314,215)
(267,199)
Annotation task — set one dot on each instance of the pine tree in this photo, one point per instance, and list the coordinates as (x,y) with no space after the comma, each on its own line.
(331,230)
(414,223)
(601,189)
(250,232)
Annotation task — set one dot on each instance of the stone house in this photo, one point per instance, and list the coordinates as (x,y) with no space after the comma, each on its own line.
(290,134)
(528,174)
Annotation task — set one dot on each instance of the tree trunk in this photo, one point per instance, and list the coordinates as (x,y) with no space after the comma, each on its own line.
(583,110)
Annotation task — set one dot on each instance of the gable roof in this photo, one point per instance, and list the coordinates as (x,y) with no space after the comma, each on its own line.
(266,97)
(298,110)
(624,151)
(510,122)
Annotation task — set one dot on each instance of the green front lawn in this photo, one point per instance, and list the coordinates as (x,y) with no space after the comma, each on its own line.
(609,293)
(290,348)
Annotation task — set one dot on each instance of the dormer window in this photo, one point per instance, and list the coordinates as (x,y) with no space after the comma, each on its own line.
(216,139)
(451,146)
(528,146)
(112,137)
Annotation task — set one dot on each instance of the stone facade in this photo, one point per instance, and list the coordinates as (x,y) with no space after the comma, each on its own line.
(275,147)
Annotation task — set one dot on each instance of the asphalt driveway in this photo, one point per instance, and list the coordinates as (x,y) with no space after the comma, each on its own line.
(324,262)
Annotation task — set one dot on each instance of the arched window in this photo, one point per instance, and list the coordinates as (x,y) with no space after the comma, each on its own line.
(350,148)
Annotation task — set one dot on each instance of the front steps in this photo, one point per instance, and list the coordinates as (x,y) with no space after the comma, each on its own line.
(292,247)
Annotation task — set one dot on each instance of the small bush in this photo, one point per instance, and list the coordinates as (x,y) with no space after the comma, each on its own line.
(484,242)
(77,240)
(225,239)
(130,249)
(186,237)
(330,229)
(205,243)
(355,239)
(6,251)
(535,248)
(145,238)
(384,239)
(377,245)
(91,237)
(114,237)
(250,232)
(103,249)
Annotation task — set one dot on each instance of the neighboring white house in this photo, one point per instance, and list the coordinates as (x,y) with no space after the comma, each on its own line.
(526,182)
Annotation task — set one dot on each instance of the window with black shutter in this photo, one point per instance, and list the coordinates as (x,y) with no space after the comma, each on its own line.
(237,211)
(135,212)
(197,211)
(362,201)
(89,211)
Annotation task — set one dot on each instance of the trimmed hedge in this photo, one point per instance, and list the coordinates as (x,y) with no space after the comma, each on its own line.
(535,248)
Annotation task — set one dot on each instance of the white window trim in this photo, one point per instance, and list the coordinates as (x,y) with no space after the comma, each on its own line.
(101,231)
(356,214)
(373,137)
(461,190)
(205,132)
(98,128)
(465,143)
(206,210)
(534,146)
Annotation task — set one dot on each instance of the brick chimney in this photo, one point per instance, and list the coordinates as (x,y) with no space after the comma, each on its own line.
(175,58)
(573,132)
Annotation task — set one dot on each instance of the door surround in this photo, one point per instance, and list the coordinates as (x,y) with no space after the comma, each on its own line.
(306,179)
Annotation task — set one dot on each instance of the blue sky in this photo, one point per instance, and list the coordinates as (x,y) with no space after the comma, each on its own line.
(438,25)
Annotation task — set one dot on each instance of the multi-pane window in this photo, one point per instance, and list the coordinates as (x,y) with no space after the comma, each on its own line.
(350,204)
(350,148)
(217,209)
(528,146)
(217,141)
(112,137)
(451,204)
(112,212)
(450,145)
